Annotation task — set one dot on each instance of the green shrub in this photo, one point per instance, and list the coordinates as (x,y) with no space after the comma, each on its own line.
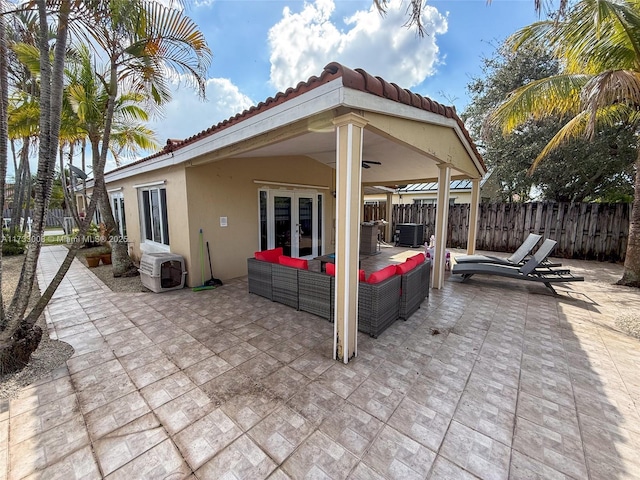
(13,245)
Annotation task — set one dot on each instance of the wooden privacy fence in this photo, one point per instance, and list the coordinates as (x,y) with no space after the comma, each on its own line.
(594,231)
(54,218)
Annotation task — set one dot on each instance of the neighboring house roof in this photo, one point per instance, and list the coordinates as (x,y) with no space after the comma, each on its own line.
(355,79)
(433,186)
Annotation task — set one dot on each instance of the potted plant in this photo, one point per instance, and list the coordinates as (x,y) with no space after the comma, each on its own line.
(105,255)
(93,260)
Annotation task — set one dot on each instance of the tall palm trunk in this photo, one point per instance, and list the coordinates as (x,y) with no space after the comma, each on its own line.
(4,134)
(631,275)
(21,336)
(122,264)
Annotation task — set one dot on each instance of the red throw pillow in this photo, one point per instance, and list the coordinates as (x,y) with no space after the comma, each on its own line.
(330,268)
(293,262)
(383,274)
(270,256)
(419,258)
(407,266)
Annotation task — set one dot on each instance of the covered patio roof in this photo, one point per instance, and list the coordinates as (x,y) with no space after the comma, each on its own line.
(348,120)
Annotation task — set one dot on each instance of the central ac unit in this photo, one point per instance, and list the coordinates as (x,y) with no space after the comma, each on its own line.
(160,272)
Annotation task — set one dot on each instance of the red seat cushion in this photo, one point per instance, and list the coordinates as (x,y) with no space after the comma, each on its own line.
(293,262)
(270,256)
(382,274)
(419,258)
(330,268)
(407,266)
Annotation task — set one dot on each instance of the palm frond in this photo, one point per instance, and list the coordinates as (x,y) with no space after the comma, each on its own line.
(557,95)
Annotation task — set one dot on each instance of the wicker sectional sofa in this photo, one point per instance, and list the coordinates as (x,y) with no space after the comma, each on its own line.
(387,295)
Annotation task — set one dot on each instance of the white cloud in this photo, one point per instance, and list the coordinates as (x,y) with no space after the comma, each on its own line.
(303,43)
(187,115)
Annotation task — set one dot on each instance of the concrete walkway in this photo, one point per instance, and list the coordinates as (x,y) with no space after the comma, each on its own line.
(490,379)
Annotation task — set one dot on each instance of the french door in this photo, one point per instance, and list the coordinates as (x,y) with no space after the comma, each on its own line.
(293,221)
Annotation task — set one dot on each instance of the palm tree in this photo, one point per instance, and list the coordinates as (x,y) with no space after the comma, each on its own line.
(143,41)
(598,43)
(88,98)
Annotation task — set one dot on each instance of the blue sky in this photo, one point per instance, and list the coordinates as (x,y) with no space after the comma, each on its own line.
(261,47)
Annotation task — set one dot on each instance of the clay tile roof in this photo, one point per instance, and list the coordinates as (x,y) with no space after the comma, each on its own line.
(356,79)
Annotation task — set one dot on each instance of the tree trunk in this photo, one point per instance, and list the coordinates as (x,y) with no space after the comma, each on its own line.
(4,136)
(21,337)
(121,262)
(16,352)
(631,274)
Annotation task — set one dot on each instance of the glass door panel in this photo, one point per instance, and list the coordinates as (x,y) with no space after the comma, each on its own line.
(282,223)
(305,227)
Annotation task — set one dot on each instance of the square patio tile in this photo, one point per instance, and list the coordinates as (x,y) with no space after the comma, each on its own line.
(364,472)
(558,418)
(41,419)
(352,428)
(287,351)
(184,410)
(167,389)
(79,465)
(90,360)
(476,453)
(40,395)
(162,461)
(110,417)
(112,324)
(376,399)
(127,341)
(143,357)
(151,373)
(394,455)
(341,380)
(285,382)
(185,350)
(320,457)
(259,366)
(526,468)
(239,353)
(315,402)
(561,452)
(610,449)
(128,442)
(280,433)
(47,448)
(207,369)
(221,342)
(243,459)
(203,439)
(443,469)
(265,340)
(420,423)
(312,364)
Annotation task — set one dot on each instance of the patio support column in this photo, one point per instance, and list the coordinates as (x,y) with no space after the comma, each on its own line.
(442,220)
(349,143)
(473,216)
(387,228)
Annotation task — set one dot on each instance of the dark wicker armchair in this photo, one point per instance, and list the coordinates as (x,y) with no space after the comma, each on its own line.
(315,293)
(415,288)
(259,277)
(378,305)
(285,285)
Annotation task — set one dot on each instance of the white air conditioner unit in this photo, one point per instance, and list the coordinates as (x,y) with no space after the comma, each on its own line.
(161,272)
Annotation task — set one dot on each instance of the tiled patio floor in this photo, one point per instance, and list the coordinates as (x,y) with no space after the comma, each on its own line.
(490,379)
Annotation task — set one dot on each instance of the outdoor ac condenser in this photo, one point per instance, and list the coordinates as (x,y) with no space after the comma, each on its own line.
(161,272)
